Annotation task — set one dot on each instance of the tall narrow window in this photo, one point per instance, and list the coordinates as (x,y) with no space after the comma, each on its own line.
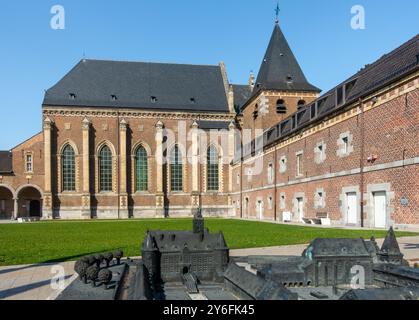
(141,169)
(299,164)
(212,169)
(29,163)
(105,169)
(345,145)
(69,169)
(176,175)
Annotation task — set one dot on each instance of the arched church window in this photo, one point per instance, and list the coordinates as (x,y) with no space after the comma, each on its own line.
(212,169)
(105,169)
(141,169)
(281,107)
(176,174)
(69,169)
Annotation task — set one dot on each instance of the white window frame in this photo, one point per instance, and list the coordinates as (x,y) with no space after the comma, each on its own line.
(299,164)
(270,202)
(29,155)
(249,175)
(320,152)
(283,164)
(345,147)
(282,201)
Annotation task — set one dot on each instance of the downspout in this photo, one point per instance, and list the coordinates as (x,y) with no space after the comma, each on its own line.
(241,172)
(275,182)
(118,158)
(361,104)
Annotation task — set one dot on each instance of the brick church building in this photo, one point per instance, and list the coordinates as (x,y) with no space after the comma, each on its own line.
(133,140)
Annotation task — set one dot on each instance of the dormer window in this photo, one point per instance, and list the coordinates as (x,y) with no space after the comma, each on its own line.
(153,99)
(289,78)
(192,100)
(340,96)
(280,107)
(313,110)
(113,97)
(72,96)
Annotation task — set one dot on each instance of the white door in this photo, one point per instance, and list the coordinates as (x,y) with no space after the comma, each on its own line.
(380,208)
(260,209)
(351,210)
(300,208)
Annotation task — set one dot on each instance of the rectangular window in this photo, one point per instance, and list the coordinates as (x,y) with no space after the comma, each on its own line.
(320,153)
(282,201)
(345,145)
(299,164)
(319,201)
(249,175)
(238,179)
(270,205)
(29,163)
(283,165)
(339,96)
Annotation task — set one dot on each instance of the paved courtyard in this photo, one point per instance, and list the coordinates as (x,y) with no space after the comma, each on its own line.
(33,282)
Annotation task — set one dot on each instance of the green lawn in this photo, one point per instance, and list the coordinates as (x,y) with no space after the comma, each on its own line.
(68,240)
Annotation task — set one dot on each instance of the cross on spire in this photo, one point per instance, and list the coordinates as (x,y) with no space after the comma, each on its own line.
(277,10)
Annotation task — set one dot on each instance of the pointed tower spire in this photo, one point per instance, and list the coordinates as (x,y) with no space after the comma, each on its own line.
(390,245)
(280,69)
(390,251)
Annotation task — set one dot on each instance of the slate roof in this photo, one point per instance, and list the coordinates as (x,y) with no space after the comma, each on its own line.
(176,87)
(390,245)
(256,287)
(6,162)
(208,125)
(375,294)
(337,247)
(389,68)
(169,241)
(242,94)
(280,69)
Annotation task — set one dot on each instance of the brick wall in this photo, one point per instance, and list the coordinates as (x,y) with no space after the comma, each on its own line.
(391,135)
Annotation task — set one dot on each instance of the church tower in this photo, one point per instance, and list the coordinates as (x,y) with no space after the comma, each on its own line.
(281,87)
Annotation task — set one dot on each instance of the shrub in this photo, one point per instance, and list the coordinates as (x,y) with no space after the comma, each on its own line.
(118,254)
(81,269)
(108,258)
(105,276)
(92,273)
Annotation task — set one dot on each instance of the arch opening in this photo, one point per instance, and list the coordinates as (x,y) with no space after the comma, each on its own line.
(29,203)
(6,203)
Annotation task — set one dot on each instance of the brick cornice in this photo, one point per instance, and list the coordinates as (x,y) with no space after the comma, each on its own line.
(129,113)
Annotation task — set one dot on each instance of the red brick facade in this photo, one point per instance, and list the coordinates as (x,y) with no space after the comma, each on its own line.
(391,155)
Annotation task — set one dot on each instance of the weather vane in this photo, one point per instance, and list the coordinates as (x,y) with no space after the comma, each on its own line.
(277,10)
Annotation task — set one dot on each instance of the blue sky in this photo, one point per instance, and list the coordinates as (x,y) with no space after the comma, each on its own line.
(33,57)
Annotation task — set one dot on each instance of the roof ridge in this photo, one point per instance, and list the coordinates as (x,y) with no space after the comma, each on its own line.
(151,62)
(387,56)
